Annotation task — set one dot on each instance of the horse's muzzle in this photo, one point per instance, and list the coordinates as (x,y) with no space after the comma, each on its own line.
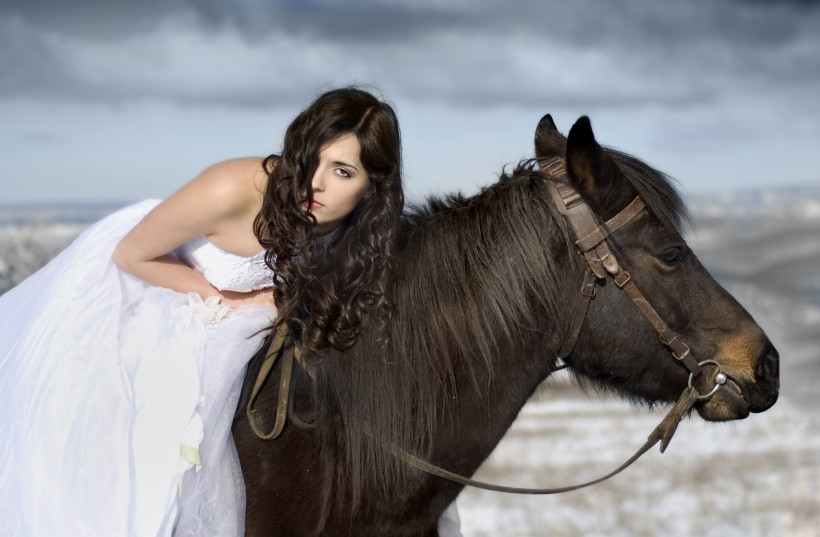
(763,393)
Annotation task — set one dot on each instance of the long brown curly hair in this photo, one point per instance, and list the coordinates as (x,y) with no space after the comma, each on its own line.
(325,288)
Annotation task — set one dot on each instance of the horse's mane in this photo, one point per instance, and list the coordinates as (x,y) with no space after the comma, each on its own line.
(476,275)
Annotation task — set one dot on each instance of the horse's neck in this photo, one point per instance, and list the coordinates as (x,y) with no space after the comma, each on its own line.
(489,398)
(485,410)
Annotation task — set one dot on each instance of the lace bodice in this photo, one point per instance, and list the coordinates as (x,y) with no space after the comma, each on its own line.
(224,270)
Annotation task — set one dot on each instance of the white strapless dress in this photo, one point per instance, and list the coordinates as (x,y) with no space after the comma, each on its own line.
(117,397)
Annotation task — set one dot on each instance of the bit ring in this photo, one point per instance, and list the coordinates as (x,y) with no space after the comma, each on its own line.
(720,379)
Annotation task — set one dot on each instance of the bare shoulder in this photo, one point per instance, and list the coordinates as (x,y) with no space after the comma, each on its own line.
(235,182)
(220,203)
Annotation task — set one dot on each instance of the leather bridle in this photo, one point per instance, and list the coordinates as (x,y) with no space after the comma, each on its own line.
(601,263)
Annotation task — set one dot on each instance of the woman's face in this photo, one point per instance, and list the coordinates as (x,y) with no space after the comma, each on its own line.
(339,182)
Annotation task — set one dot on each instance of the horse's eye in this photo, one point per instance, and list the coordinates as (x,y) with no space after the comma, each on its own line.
(672,256)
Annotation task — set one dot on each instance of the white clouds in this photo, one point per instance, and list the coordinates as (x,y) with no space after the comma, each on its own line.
(640,53)
(662,80)
(183,61)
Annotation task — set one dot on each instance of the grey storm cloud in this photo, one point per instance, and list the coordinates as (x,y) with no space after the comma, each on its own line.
(248,52)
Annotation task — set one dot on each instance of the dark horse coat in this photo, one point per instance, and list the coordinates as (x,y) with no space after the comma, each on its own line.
(484,296)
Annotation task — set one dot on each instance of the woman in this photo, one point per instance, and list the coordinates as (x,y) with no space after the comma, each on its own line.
(121,361)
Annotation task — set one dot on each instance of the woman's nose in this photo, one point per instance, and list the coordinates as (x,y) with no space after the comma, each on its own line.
(318,182)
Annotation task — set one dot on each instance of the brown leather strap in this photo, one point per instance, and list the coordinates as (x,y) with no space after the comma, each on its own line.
(680,350)
(280,345)
(603,231)
(586,295)
(626,215)
(592,244)
(591,236)
(662,433)
(580,217)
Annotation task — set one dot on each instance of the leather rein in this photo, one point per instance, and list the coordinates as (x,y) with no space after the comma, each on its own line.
(601,264)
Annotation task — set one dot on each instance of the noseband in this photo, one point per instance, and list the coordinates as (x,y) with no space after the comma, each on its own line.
(601,264)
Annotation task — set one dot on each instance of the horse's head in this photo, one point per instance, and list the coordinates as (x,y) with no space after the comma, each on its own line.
(617,346)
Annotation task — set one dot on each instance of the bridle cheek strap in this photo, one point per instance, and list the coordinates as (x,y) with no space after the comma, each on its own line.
(602,263)
(680,350)
(586,295)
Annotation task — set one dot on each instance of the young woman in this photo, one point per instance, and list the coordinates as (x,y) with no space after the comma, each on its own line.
(121,361)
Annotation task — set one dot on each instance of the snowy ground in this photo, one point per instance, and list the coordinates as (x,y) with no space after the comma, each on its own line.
(757,477)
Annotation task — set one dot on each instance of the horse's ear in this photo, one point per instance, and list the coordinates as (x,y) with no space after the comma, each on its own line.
(587,163)
(548,141)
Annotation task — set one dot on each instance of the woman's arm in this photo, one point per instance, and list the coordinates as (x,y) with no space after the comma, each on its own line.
(210,203)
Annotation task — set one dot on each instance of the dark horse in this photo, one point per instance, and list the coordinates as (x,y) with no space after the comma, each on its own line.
(484,298)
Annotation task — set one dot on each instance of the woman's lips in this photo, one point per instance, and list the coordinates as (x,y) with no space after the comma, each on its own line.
(315,204)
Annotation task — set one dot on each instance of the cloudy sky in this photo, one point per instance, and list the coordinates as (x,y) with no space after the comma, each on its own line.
(104,100)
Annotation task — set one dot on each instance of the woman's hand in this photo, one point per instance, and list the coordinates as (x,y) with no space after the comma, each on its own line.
(235,299)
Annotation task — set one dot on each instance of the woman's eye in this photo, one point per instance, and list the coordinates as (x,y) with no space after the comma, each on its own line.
(342,172)
(672,256)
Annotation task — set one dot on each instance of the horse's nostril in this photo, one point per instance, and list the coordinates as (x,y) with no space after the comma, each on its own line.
(768,365)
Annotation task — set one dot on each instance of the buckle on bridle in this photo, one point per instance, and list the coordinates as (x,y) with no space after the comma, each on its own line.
(588,289)
(622,278)
(685,352)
